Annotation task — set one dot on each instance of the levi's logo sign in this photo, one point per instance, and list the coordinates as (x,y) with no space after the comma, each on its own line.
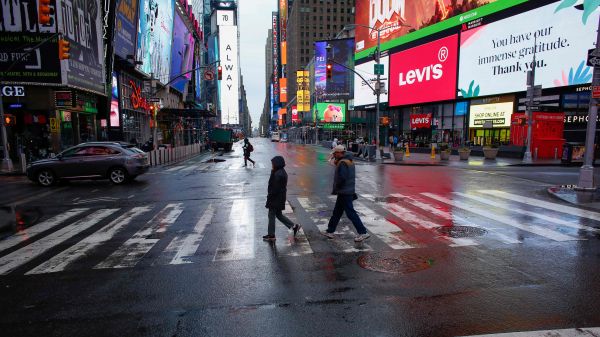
(427,73)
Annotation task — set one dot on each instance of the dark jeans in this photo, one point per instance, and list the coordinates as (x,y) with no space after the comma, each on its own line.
(246,158)
(276,213)
(344,203)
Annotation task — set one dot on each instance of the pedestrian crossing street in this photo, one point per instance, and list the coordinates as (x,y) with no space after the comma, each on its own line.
(177,233)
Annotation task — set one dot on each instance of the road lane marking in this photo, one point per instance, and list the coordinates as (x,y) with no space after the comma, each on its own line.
(288,208)
(242,245)
(457,220)
(381,227)
(37,196)
(550,234)
(322,222)
(188,168)
(183,247)
(43,226)
(545,204)
(83,247)
(529,213)
(134,249)
(37,248)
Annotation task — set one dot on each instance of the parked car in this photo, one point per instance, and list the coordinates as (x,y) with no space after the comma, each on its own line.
(117,162)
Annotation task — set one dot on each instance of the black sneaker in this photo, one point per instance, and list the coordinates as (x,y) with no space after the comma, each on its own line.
(296,228)
(269,238)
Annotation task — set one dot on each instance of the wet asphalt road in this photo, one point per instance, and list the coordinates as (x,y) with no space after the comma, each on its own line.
(453,252)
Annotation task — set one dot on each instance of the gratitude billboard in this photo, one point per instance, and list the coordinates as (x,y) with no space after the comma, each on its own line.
(426,73)
(495,58)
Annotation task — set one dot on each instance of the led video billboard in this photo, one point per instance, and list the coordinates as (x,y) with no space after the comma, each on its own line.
(340,84)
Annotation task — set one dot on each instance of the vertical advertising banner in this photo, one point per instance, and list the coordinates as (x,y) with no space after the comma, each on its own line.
(275,29)
(82,27)
(115,111)
(426,73)
(283,90)
(397,17)
(295,118)
(228,54)
(495,58)
(283,18)
(225,18)
(154,38)
(126,27)
(19,28)
(340,84)
(182,49)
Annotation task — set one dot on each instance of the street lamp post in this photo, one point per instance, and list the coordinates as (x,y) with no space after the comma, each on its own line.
(586,173)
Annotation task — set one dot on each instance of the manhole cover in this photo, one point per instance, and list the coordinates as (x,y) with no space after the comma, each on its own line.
(215,160)
(462,231)
(394,263)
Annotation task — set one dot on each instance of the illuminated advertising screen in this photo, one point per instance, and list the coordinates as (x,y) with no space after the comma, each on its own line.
(115,112)
(495,58)
(331,112)
(182,54)
(283,90)
(426,73)
(495,115)
(154,38)
(229,84)
(295,114)
(340,84)
(398,17)
(126,27)
(363,94)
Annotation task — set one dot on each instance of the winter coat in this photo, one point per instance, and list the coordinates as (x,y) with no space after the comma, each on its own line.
(345,176)
(277,185)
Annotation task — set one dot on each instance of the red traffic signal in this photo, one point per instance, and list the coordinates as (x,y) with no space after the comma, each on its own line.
(63,49)
(219,73)
(44,12)
(9,120)
(329,70)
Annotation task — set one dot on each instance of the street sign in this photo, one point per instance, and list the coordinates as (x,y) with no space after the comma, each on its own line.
(54,125)
(593,60)
(534,91)
(594,52)
(596,91)
(209,75)
(378,68)
(153,100)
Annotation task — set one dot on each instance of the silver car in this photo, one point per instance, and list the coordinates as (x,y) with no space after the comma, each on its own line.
(118,162)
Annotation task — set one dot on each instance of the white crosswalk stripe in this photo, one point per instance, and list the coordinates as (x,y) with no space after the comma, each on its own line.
(183,247)
(579,332)
(30,232)
(134,249)
(550,234)
(37,248)
(242,245)
(62,260)
(545,204)
(397,221)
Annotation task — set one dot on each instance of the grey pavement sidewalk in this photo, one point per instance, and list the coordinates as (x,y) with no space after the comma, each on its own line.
(424,159)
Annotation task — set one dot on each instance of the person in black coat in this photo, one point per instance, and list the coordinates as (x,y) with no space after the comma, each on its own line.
(248,148)
(276,198)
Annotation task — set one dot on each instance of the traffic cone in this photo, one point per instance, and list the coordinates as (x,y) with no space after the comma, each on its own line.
(432,152)
(407,154)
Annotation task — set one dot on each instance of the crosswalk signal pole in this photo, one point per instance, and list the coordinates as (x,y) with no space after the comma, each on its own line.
(586,173)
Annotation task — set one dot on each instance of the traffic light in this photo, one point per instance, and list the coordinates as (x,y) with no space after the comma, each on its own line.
(329,70)
(9,120)
(44,12)
(152,109)
(63,49)
(219,73)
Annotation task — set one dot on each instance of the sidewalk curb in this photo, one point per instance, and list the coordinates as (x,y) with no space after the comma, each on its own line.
(573,197)
(183,160)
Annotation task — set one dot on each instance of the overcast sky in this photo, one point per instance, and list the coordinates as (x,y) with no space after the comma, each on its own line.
(255,20)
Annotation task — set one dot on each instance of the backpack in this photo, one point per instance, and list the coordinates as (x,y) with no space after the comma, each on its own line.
(250,148)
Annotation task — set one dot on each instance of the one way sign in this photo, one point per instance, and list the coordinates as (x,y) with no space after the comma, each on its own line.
(593,59)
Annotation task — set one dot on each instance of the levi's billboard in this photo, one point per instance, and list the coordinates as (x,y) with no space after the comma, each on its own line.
(426,73)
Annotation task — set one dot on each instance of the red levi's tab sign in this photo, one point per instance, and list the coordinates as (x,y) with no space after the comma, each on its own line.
(420,121)
(425,73)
